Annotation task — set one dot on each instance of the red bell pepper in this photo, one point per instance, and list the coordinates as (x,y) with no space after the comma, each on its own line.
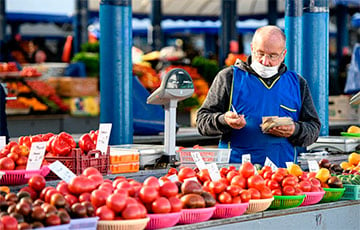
(68,139)
(60,146)
(86,143)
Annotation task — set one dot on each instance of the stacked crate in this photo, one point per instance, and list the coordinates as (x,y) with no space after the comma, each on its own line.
(123,160)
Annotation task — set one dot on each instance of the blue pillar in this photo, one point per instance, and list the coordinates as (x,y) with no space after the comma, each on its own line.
(272,12)
(294,33)
(155,16)
(316,56)
(116,69)
(80,24)
(3,55)
(228,19)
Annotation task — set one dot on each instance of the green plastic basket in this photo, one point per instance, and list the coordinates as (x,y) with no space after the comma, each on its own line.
(284,202)
(332,194)
(352,192)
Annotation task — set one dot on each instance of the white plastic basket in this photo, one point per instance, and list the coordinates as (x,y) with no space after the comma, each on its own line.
(209,155)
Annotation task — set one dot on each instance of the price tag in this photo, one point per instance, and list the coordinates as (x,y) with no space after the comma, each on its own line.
(36,155)
(271,164)
(62,171)
(213,171)
(103,137)
(173,178)
(200,164)
(2,142)
(288,164)
(313,166)
(246,158)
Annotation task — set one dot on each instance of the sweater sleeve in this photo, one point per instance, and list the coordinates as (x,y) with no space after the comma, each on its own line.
(308,126)
(210,117)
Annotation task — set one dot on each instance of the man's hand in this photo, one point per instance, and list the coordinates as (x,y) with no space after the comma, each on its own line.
(282,131)
(234,120)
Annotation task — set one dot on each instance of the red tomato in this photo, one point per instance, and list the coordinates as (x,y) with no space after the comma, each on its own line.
(282,171)
(315,182)
(106,186)
(233,190)
(224,171)
(62,187)
(116,202)
(239,180)
(10,223)
(265,169)
(231,174)
(265,193)
(81,184)
(21,161)
(298,192)
(185,173)
(225,198)
(163,179)
(175,203)
(305,186)
(168,189)
(217,187)
(245,196)
(203,175)
(231,168)
(117,181)
(37,182)
(148,194)
(288,190)
(288,181)
(134,211)
(256,181)
(32,192)
(43,192)
(71,199)
(125,185)
(105,213)
(98,179)
(255,194)
(7,163)
(135,185)
(276,192)
(315,189)
(152,182)
(98,197)
(267,174)
(161,205)
(236,200)
(272,184)
(172,171)
(247,169)
(84,196)
(277,177)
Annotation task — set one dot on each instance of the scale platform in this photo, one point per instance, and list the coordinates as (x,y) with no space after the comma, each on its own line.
(337,144)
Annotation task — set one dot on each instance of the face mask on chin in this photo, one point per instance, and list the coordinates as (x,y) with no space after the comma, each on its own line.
(264,71)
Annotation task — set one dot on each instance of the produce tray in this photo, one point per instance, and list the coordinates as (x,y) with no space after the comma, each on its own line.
(312,198)
(89,223)
(352,192)
(209,155)
(229,210)
(57,227)
(77,162)
(165,220)
(19,177)
(196,215)
(332,194)
(259,205)
(284,202)
(137,224)
(350,134)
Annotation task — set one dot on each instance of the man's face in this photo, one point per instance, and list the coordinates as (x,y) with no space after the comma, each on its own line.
(268,50)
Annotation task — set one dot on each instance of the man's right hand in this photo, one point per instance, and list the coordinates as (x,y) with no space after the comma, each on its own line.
(234,120)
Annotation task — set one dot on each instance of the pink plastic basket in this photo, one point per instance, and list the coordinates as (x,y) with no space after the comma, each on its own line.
(196,215)
(163,220)
(18,177)
(229,210)
(312,198)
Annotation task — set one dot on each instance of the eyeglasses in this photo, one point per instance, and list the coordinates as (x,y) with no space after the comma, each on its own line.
(272,57)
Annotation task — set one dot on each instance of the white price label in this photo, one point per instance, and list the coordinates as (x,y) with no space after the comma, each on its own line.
(62,171)
(271,164)
(246,158)
(313,166)
(103,137)
(288,164)
(213,171)
(173,178)
(2,142)
(200,164)
(36,155)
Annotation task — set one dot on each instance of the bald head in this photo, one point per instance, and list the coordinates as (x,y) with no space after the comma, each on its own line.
(269,34)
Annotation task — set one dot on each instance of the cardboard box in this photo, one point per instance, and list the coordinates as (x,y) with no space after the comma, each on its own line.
(83,106)
(74,86)
(341,110)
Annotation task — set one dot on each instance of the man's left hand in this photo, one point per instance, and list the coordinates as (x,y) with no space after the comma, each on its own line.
(282,131)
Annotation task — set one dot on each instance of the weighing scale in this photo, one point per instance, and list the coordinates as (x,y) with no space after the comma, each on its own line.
(176,85)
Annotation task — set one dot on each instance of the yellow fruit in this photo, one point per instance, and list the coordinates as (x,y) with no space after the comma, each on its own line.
(354,158)
(323,175)
(295,170)
(345,165)
(353,129)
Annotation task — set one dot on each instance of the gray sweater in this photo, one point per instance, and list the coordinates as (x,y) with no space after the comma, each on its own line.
(210,117)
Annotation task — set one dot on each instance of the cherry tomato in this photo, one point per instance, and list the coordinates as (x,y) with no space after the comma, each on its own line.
(225,198)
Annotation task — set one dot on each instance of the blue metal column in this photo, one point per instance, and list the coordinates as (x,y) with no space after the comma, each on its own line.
(80,24)
(316,56)
(155,16)
(294,33)
(2,31)
(272,12)
(116,69)
(228,19)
